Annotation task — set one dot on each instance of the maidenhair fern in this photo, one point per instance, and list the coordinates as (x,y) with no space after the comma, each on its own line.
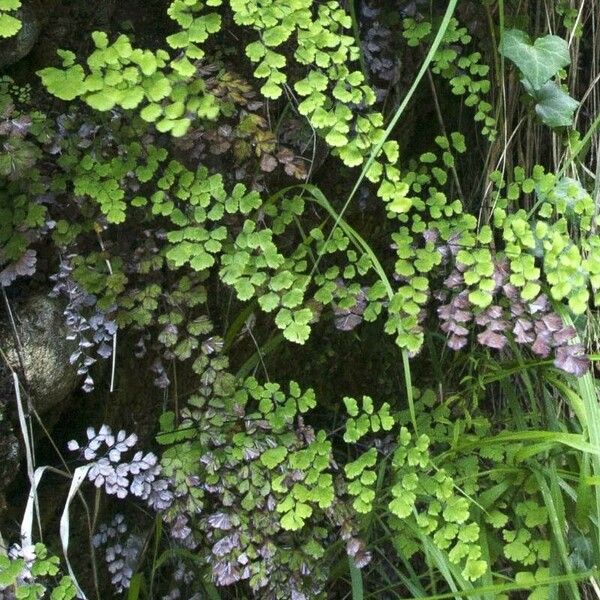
(10,24)
(173,99)
(129,189)
(27,572)
(464,71)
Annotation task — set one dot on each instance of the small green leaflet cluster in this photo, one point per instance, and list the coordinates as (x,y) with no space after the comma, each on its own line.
(327,93)
(198,206)
(248,256)
(125,179)
(360,473)
(444,513)
(439,477)
(540,247)
(35,579)
(196,28)
(100,180)
(250,261)
(354,137)
(440,491)
(570,18)
(264,474)
(165,91)
(320,39)
(434,486)
(9,23)
(532,580)
(539,62)
(465,72)
(22,214)
(250,441)
(570,267)
(18,216)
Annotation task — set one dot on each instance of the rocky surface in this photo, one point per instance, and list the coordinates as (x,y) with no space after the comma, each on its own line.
(44,350)
(49,376)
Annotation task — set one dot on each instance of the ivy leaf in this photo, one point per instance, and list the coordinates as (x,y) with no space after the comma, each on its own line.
(554,106)
(538,62)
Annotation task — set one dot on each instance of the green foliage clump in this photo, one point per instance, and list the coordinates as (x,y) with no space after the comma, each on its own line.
(32,573)
(157,192)
(166,91)
(280,282)
(23,213)
(265,476)
(122,76)
(465,489)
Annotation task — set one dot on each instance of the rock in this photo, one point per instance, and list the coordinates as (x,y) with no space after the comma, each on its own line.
(45,351)
(50,378)
(18,46)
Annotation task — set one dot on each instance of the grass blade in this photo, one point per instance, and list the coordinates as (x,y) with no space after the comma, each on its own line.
(79,476)
(356,579)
